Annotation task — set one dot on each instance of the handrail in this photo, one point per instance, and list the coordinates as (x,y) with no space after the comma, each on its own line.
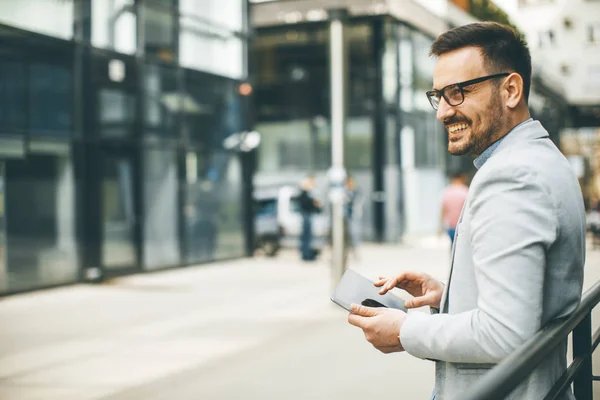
(508,374)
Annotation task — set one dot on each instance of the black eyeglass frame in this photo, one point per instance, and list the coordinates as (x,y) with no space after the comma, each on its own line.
(438,94)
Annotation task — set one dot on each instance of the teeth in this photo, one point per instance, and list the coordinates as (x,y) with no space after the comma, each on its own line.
(457,127)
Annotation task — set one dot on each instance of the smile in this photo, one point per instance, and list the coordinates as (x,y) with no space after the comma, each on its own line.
(457,128)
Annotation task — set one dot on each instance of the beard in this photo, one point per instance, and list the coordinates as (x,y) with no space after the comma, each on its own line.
(480,140)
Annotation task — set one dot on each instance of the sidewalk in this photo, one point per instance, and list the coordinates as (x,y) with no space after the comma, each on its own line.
(254,328)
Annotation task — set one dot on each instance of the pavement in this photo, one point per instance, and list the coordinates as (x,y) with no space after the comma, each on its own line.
(259,328)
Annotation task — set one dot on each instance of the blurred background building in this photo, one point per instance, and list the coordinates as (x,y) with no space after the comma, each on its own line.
(564,36)
(112,119)
(395,147)
(114,115)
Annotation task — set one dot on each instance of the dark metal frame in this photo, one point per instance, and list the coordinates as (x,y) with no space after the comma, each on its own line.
(506,376)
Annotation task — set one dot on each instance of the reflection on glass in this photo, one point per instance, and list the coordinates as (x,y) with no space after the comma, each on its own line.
(50,100)
(13,101)
(39,218)
(208,27)
(54,18)
(161,247)
(159,31)
(113,25)
(212,207)
(3,278)
(162,101)
(222,51)
(118,247)
(224,13)
(116,113)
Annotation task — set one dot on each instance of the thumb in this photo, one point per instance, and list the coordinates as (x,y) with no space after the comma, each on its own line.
(364,311)
(420,301)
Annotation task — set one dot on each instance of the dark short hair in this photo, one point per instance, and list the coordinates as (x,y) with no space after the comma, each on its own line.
(504,49)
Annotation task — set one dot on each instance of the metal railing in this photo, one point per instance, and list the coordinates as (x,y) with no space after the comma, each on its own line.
(508,374)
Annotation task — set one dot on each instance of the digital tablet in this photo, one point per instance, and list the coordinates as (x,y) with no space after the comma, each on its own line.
(355,288)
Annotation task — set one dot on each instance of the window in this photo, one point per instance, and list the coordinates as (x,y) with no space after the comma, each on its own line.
(53,18)
(211,49)
(162,101)
(114,25)
(594,34)
(50,100)
(13,99)
(546,39)
(36,98)
(227,14)
(161,244)
(159,29)
(211,37)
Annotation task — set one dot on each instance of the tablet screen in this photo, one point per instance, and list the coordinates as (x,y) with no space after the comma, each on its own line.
(355,288)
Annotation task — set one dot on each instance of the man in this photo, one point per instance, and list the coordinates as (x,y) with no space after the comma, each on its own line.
(308,206)
(520,242)
(453,199)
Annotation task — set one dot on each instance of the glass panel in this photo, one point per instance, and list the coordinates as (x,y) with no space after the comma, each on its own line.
(212,208)
(54,18)
(222,52)
(225,13)
(362,70)
(423,73)
(50,100)
(116,110)
(159,31)
(359,142)
(162,101)
(39,218)
(211,110)
(280,151)
(13,100)
(161,245)
(230,242)
(406,77)
(118,247)
(114,25)
(3,275)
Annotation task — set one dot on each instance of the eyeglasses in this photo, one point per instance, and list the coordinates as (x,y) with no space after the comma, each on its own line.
(454,94)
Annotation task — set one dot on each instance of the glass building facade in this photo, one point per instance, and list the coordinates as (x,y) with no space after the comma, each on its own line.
(392,137)
(112,119)
(394,146)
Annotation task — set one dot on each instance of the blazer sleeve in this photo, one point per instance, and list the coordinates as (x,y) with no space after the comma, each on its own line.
(513,222)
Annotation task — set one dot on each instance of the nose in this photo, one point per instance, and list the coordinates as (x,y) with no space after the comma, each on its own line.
(444,110)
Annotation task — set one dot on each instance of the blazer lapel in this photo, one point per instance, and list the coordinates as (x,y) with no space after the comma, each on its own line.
(444,300)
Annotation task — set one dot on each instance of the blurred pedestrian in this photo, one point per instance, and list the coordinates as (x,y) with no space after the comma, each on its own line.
(352,215)
(308,206)
(453,200)
(519,247)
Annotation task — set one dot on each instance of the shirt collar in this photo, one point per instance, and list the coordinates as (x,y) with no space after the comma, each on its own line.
(483,157)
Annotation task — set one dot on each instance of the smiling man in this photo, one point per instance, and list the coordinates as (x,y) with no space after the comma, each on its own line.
(519,249)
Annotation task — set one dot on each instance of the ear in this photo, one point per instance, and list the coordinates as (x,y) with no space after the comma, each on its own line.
(513,89)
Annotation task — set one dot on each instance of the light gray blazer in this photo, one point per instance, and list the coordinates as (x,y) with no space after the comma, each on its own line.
(517,264)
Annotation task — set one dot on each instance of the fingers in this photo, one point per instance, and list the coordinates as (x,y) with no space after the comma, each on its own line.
(391,283)
(364,311)
(360,315)
(382,280)
(356,320)
(425,300)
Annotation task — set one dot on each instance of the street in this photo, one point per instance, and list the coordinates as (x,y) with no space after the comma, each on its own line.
(261,328)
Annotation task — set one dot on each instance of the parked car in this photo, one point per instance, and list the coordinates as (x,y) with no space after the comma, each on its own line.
(278,222)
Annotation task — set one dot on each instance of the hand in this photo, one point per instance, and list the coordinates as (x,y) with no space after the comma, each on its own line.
(426,291)
(380,325)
